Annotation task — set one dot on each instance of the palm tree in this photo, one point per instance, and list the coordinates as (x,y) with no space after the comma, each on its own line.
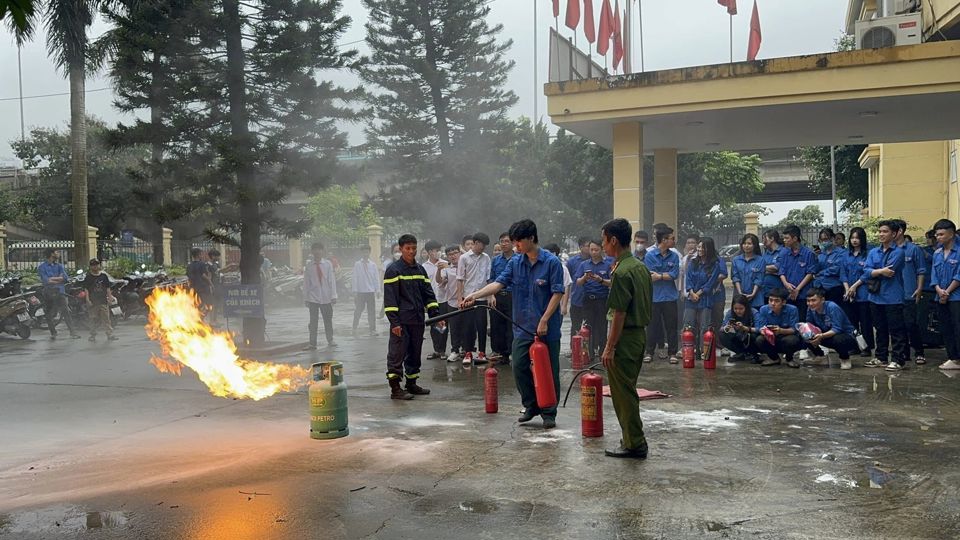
(66,22)
(20,13)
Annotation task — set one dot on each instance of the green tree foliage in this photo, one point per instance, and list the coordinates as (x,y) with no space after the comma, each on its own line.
(715,180)
(852,181)
(340,215)
(730,218)
(18,14)
(47,205)
(8,207)
(808,218)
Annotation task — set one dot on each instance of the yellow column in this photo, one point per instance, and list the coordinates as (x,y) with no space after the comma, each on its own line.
(751,223)
(92,237)
(166,236)
(665,186)
(628,172)
(375,238)
(295,246)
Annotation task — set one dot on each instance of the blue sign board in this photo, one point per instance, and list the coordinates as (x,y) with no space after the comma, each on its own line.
(243,301)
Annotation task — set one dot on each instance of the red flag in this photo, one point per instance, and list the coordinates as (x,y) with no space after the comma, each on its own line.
(617,36)
(588,25)
(556,8)
(731,6)
(605,31)
(573,14)
(755,36)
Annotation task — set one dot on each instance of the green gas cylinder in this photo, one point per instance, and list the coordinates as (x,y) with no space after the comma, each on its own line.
(328,401)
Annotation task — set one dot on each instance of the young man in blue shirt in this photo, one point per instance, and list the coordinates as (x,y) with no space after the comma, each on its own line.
(884,266)
(54,276)
(836,331)
(773,253)
(797,269)
(576,292)
(781,318)
(664,266)
(595,281)
(537,279)
(945,276)
(913,276)
(501,331)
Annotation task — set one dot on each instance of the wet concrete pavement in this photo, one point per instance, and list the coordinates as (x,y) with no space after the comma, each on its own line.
(97,444)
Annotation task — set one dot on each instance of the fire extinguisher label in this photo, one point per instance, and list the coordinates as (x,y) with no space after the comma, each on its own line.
(588,403)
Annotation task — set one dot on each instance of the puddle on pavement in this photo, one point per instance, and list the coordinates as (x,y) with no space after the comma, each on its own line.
(479,507)
(706,421)
(65,519)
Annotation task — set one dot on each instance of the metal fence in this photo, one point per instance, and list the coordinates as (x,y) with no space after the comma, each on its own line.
(27,256)
(136,250)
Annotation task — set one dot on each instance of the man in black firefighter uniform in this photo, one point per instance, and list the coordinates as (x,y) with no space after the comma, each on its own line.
(406,294)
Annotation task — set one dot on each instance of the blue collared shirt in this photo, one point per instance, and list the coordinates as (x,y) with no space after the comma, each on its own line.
(788,317)
(49,270)
(928,262)
(749,274)
(832,318)
(601,269)
(497,267)
(853,270)
(829,268)
(750,320)
(669,264)
(533,287)
(576,291)
(946,268)
(914,264)
(795,266)
(704,280)
(775,258)
(891,289)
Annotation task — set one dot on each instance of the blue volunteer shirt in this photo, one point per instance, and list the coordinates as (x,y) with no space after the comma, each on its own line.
(498,265)
(788,317)
(891,289)
(602,269)
(796,265)
(772,257)
(533,286)
(928,262)
(832,318)
(749,273)
(749,318)
(48,270)
(853,270)
(829,267)
(703,280)
(946,269)
(669,264)
(576,291)
(913,266)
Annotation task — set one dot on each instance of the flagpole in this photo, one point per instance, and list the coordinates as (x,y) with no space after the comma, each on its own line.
(640,14)
(535,39)
(731,38)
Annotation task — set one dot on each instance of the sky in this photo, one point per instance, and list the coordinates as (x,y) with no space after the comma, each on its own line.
(676,33)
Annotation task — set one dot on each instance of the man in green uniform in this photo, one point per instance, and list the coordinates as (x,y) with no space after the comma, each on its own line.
(630,304)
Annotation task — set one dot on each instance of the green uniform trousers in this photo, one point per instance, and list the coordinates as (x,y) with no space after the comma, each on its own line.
(622,376)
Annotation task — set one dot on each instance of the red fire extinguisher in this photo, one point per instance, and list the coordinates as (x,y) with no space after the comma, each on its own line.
(709,349)
(687,345)
(576,350)
(542,374)
(490,390)
(591,405)
(586,345)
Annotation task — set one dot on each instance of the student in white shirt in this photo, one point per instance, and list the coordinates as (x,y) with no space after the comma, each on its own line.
(434,264)
(473,271)
(366,283)
(446,279)
(319,294)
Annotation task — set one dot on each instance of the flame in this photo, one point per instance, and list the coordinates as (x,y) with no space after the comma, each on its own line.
(176,322)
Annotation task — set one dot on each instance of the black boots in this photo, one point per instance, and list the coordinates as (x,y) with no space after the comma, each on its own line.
(398,393)
(416,389)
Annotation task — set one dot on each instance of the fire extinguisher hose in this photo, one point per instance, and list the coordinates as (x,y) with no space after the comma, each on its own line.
(588,369)
(445,316)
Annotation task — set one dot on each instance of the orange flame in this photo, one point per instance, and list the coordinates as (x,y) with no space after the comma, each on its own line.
(176,322)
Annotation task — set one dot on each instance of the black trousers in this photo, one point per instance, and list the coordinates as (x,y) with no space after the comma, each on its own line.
(54,303)
(501,331)
(862,319)
(438,336)
(835,295)
(403,352)
(949,316)
(455,328)
(368,301)
(891,332)
(595,313)
(844,344)
(801,305)
(786,345)
(734,342)
(914,328)
(664,320)
(475,329)
(316,310)
(576,319)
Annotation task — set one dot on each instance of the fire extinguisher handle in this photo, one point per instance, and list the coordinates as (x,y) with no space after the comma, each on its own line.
(594,367)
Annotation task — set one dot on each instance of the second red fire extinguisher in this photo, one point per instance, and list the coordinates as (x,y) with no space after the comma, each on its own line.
(542,371)
(591,405)
(687,344)
(491,395)
(576,349)
(709,349)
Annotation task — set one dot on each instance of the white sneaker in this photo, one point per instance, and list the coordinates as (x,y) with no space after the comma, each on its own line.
(468,359)
(846,364)
(893,366)
(804,354)
(453,357)
(647,358)
(950,364)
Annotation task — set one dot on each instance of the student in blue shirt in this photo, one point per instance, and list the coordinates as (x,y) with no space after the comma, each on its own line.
(54,276)
(595,281)
(884,265)
(501,331)
(748,271)
(703,273)
(576,292)
(664,266)
(913,277)
(836,331)
(829,266)
(739,329)
(945,276)
(797,269)
(773,253)
(856,303)
(781,318)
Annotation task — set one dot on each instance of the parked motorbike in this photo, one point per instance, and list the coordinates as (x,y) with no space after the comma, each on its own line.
(10,285)
(14,316)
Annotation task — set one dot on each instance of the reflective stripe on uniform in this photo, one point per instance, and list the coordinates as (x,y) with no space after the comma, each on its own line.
(391,280)
(389,309)
(433,304)
(414,376)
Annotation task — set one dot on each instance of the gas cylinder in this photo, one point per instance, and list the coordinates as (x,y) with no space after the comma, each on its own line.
(591,405)
(490,390)
(328,401)
(687,346)
(542,374)
(576,350)
(709,349)
(586,345)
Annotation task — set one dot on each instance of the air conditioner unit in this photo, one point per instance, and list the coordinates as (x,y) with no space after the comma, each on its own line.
(890,31)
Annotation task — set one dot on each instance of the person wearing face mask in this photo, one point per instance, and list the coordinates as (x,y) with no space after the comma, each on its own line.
(829,267)
(641,241)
